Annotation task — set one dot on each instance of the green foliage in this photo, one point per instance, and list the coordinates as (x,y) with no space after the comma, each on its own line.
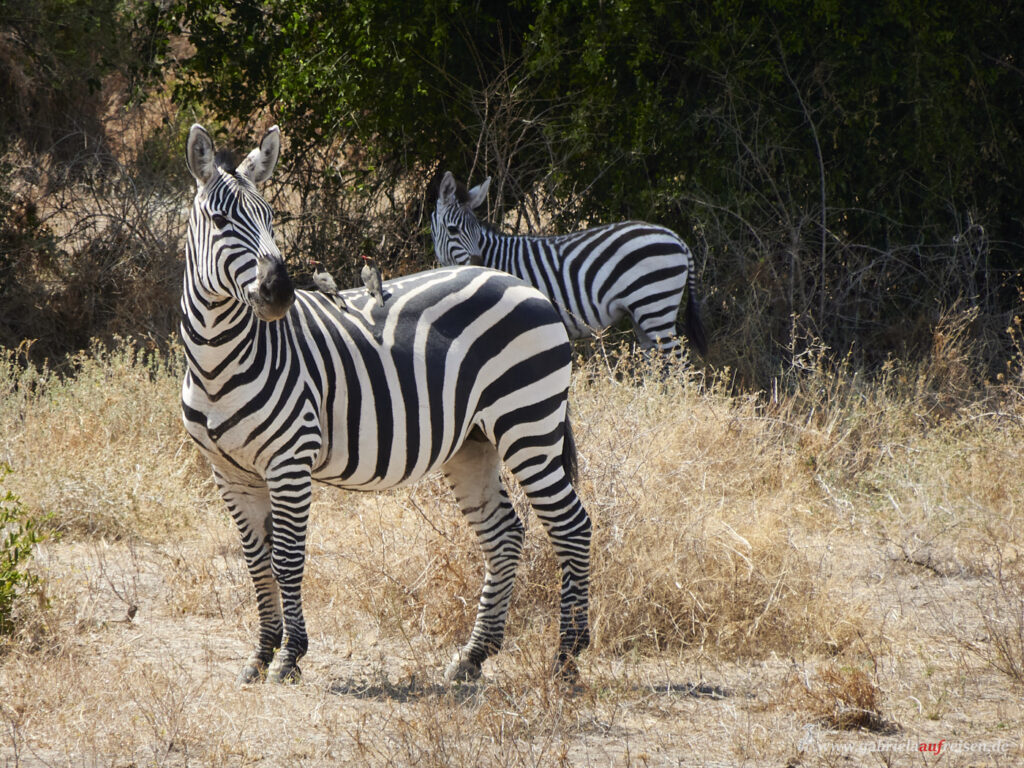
(844,171)
(746,104)
(18,537)
(396,74)
(657,98)
(55,55)
(803,138)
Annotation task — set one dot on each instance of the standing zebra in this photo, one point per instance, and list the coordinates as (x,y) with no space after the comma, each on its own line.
(593,277)
(463,368)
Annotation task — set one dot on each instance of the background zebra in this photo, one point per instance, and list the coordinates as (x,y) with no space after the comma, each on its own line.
(593,277)
(462,369)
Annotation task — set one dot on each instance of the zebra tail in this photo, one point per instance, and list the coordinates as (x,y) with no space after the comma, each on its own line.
(694,324)
(570,462)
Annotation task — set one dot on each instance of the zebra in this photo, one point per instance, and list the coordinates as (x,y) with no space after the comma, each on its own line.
(462,370)
(594,277)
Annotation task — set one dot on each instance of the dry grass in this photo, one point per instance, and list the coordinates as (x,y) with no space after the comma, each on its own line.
(695,495)
(1001,606)
(838,526)
(842,698)
(103,451)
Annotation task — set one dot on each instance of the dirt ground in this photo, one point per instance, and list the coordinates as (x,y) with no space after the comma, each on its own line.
(150,639)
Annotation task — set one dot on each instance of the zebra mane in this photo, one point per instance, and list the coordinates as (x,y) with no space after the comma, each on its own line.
(226,159)
(434,189)
(461,192)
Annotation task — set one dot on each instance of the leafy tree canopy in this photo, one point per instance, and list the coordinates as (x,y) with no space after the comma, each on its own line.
(910,108)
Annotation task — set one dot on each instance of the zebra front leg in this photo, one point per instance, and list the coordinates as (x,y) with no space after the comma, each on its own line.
(249,506)
(474,474)
(290,493)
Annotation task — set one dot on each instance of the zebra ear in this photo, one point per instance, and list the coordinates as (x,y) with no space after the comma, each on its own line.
(479,193)
(260,163)
(199,154)
(446,191)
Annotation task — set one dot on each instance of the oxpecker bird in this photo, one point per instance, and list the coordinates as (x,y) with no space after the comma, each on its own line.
(326,285)
(371,279)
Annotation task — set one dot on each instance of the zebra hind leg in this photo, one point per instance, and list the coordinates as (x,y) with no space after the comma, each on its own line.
(568,526)
(474,475)
(250,508)
(659,340)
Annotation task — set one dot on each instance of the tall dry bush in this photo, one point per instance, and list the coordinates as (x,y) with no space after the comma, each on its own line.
(923,453)
(101,449)
(695,496)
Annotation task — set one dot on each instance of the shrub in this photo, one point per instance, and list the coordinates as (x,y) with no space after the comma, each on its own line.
(843,698)
(828,166)
(18,537)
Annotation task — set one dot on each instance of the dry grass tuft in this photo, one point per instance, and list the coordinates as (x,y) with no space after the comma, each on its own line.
(694,494)
(102,451)
(842,698)
(1001,607)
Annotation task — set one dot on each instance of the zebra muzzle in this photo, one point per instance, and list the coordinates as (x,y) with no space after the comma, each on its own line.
(274,292)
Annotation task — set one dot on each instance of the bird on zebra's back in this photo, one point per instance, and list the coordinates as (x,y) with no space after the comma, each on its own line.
(370,274)
(470,372)
(324,282)
(594,277)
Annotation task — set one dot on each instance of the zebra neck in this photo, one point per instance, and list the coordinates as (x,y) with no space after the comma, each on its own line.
(509,252)
(495,249)
(215,332)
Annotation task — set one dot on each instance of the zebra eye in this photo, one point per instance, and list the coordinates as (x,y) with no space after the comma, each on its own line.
(453,229)
(219,220)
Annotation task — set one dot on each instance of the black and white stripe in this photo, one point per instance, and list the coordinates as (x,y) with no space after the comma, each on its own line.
(463,369)
(594,277)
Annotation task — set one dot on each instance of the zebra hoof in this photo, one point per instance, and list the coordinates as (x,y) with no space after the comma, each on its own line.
(284,674)
(253,672)
(565,669)
(462,670)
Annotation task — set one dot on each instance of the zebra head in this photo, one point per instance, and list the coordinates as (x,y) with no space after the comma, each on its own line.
(231,251)
(453,225)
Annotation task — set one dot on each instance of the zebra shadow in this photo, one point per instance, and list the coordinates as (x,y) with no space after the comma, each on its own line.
(412,689)
(693,690)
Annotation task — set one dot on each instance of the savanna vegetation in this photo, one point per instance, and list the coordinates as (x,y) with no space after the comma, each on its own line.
(808,546)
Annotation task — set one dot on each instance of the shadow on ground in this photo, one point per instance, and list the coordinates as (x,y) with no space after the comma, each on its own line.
(413,689)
